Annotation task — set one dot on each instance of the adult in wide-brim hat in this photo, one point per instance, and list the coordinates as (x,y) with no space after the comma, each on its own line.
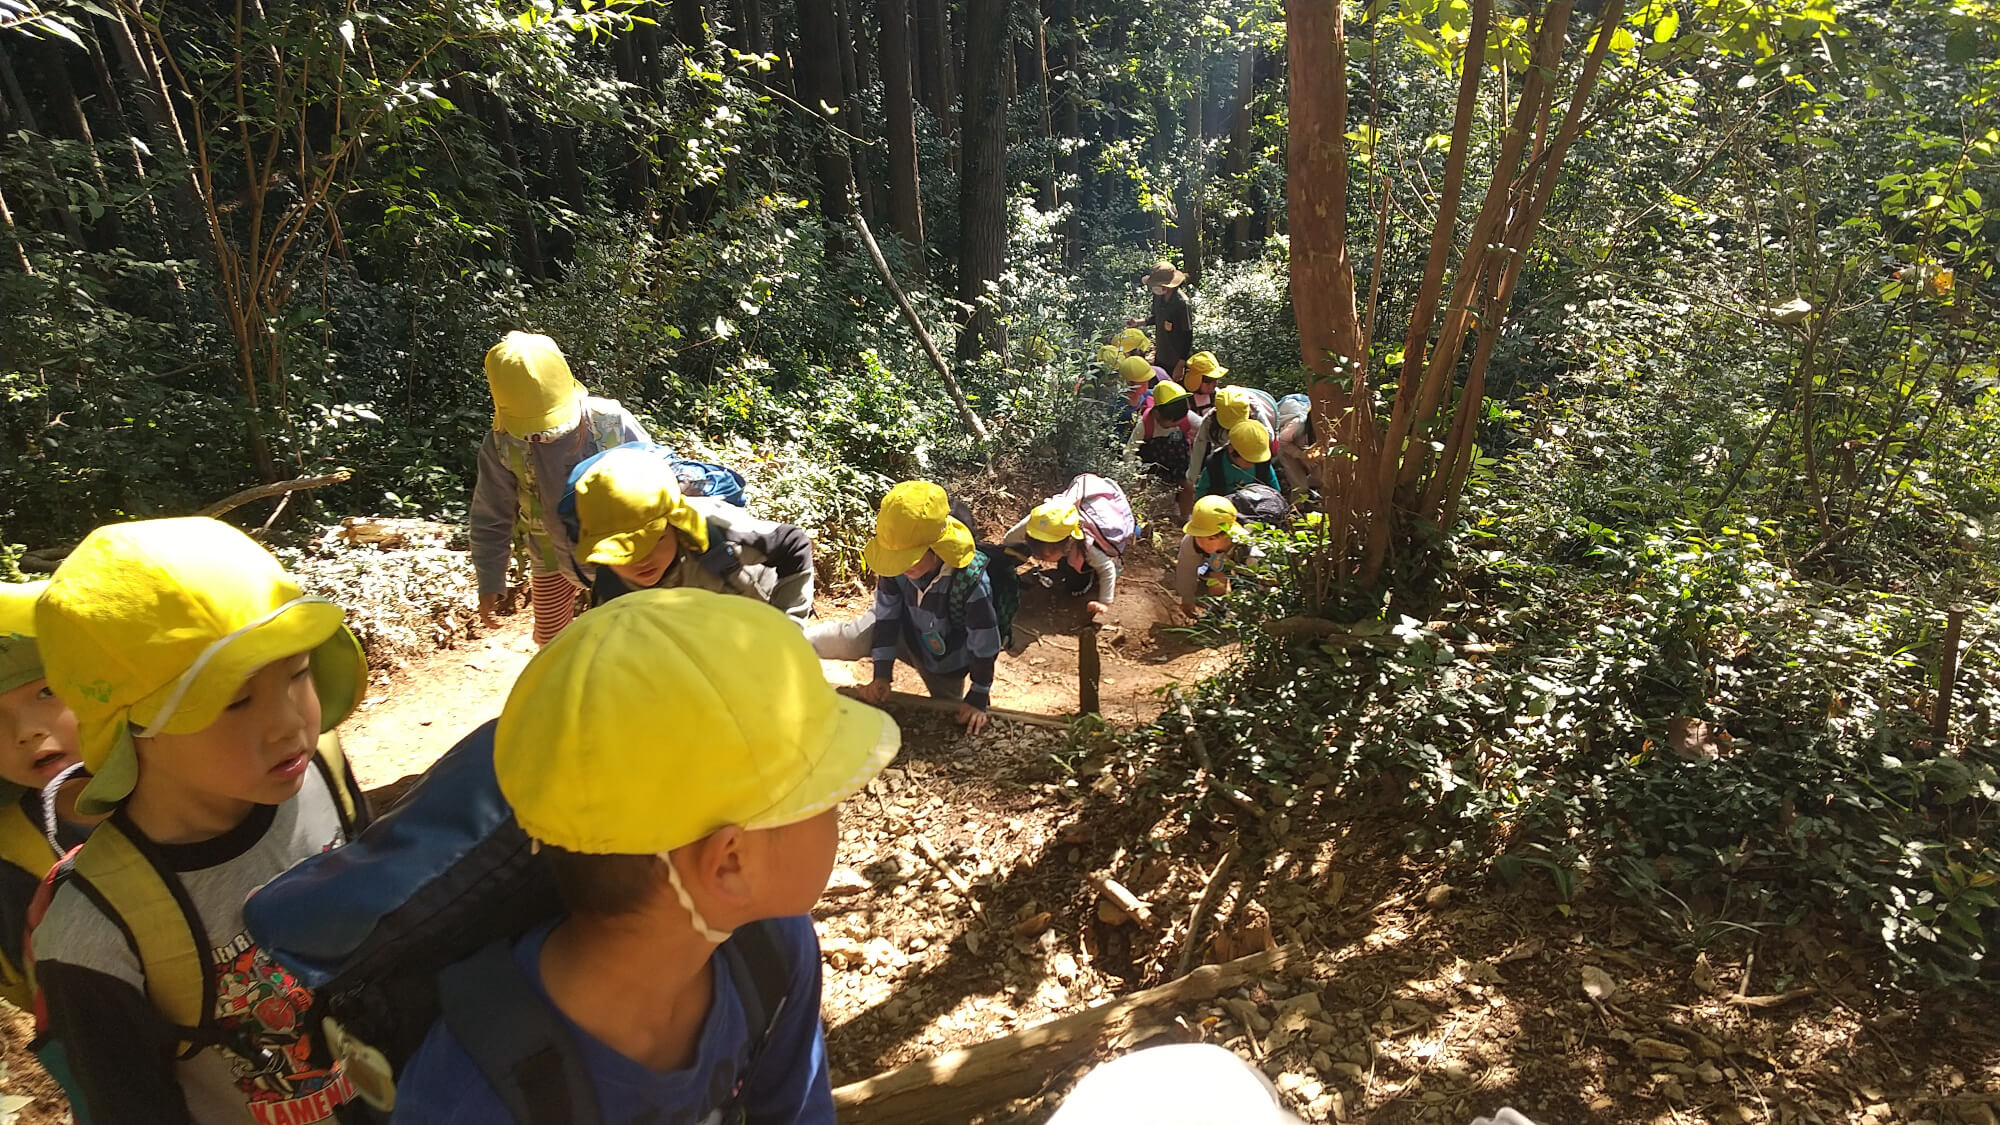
(1171,319)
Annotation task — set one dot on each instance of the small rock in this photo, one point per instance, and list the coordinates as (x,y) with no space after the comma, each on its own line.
(1657,1050)
(1707,1074)
(1438,896)
(1351,1070)
(846,881)
(1597,984)
(1305,1004)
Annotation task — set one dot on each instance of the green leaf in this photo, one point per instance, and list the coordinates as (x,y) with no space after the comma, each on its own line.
(1961,46)
(1665,30)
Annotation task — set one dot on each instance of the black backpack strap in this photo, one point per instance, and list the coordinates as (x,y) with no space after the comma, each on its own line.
(763,979)
(516,1039)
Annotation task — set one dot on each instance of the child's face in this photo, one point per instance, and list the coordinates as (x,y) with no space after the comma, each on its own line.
(1211,544)
(258,750)
(1050,552)
(802,857)
(924,566)
(1239,460)
(642,574)
(37,735)
(1135,393)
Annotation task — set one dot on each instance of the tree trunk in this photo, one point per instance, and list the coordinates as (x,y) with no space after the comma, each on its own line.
(899,110)
(1236,245)
(690,24)
(820,85)
(56,213)
(14,237)
(1069,163)
(1190,217)
(982,194)
(928,22)
(163,128)
(114,107)
(1049,200)
(848,22)
(60,95)
(529,248)
(953,41)
(638,164)
(1322,273)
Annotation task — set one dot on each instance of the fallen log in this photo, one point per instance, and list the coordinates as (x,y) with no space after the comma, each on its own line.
(1211,896)
(394,531)
(276,488)
(959,1084)
(950,707)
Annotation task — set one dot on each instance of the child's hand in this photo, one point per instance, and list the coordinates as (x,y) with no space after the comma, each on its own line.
(1190,611)
(874,691)
(1133,322)
(973,719)
(1097,609)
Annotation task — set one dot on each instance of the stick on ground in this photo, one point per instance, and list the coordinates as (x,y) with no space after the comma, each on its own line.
(950,707)
(959,1084)
(1211,894)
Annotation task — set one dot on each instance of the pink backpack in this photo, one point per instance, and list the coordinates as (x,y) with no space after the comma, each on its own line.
(1107,514)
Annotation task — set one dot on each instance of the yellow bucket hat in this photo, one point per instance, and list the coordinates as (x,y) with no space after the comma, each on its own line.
(667,714)
(1212,515)
(916,517)
(1232,407)
(1251,441)
(1203,365)
(532,387)
(1055,521)
(1109,355)
(1134,369)
(1132,341)
(20,656)
(1166,392)
(625,502)
(152,627)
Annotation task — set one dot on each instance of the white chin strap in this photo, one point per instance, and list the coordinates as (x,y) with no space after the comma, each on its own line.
(700,923)
(194,670)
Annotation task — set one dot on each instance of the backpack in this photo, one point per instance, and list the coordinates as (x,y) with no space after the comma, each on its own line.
(1107,514)
(697,478)
(25,845)
(415,920)
(1259,503)
(121,872)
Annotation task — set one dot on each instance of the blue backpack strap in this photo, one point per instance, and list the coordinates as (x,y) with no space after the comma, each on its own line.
(763,979)
(516,1039)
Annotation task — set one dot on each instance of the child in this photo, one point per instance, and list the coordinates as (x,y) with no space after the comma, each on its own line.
(1163,433)
(681,762)
(1131,341)
(201,679)
(1246,460)
(1203,373)
(1139,378)
(1059,533)
(1292,442)
(1208,552)
(1171,316)
(634,525)
(37,745)
(1233,407)
(933,606)
(544,425)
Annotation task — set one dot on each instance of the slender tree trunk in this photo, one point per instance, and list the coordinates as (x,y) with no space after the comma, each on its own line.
(114,107)
(14,236)
(61,97)
(899,110)
(1236,246)
(1197,146)
(1049,200)
(529,247)
(637,162)
(953,27)
(1069,162)
(982,195)
(847,19)
(927,18)
(56,213)
(820,85)
(751,14)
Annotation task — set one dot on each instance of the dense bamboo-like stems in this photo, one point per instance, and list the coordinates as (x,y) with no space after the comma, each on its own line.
(899,113)
(1448,480)
(1322,278)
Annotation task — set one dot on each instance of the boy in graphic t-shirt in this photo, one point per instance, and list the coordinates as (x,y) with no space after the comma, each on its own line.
(201,679)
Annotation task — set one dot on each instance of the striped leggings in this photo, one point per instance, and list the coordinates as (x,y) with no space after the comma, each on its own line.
(554,599)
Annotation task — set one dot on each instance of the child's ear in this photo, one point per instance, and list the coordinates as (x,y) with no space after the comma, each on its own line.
(720,865)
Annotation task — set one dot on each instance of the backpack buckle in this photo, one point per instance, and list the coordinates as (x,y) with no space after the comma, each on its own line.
(366,1068)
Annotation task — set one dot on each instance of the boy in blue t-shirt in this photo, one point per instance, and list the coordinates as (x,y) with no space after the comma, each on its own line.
(681,760)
